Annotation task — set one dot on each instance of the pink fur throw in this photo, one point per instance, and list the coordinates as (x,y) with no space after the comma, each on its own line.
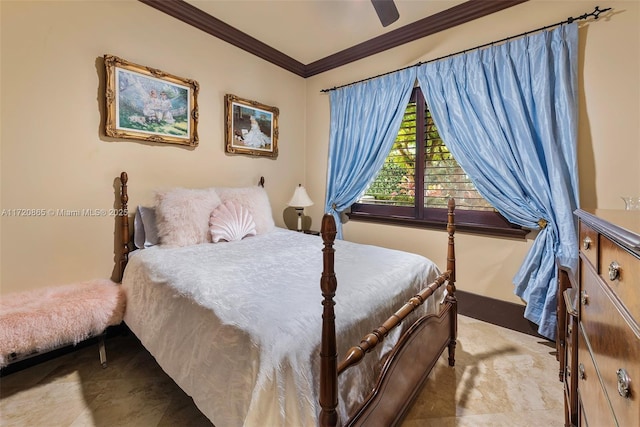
(48,318)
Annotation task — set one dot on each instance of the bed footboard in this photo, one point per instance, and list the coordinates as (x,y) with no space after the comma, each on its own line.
(406,369)
(410,361)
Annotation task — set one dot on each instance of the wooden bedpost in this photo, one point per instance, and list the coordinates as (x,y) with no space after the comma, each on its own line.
(451,285)
(124,218)
(328,348)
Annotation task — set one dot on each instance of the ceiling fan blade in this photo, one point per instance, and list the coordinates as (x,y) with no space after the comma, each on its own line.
(386,10)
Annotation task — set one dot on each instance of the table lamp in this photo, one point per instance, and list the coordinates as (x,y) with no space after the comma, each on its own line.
(300,200)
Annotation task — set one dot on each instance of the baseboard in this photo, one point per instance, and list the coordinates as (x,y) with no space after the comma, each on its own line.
(497,312)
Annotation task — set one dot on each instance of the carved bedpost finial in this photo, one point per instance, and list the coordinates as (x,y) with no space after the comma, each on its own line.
(328,348)
(124,197)
(328,281)
(328,229)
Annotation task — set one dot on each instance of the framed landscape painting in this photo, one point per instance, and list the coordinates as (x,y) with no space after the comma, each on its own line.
(147,104)
(251,128)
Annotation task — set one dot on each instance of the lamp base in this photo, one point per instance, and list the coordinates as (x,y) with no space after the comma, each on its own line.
(299,210)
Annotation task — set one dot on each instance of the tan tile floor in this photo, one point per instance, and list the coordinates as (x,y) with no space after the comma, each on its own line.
(501,378)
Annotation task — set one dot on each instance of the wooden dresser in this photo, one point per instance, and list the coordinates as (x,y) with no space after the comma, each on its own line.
(600,340)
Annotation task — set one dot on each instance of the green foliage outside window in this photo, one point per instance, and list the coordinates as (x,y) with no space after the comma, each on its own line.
(443,177)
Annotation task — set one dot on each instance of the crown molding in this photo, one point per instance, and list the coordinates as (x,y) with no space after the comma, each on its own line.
(441,21)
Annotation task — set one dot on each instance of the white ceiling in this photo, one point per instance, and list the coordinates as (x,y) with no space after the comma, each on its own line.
(309,30)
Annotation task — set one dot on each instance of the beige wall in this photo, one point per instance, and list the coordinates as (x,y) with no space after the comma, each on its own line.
(54,154)
(609,148)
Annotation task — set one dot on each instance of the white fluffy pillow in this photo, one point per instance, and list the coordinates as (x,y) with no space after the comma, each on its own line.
(254,199)
(230,222)
(182,215)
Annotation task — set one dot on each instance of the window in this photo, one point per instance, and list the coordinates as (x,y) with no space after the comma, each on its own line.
(418,178)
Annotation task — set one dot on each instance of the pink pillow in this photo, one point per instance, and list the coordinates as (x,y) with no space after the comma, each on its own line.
(182,215)
(231,221)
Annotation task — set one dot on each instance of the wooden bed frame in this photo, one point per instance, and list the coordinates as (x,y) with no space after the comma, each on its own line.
(408,364)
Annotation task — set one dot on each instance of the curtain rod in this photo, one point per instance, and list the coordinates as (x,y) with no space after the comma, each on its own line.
(596,13)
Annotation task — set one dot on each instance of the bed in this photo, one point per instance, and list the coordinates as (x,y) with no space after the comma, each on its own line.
(241,325)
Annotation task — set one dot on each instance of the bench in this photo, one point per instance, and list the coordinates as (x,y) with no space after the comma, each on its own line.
(41,320)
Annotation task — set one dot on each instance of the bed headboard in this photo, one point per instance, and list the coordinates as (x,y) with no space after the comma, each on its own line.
(123,225)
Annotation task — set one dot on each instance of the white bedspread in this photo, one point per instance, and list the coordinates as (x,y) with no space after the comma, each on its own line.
(237,325)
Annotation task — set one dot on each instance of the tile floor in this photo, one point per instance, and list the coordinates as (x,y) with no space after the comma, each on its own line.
(501,378)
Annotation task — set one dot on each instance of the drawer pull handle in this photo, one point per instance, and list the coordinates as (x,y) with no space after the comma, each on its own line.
(586,243)
(568,371)
(584,298)
(624,383)
(581,373)
(614,270)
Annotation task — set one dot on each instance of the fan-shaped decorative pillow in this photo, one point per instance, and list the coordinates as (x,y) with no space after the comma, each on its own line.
(255,200)
(231,221)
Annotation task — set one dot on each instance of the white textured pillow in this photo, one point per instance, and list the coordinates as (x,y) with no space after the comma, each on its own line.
(182,215)
(231,221)
(254,199)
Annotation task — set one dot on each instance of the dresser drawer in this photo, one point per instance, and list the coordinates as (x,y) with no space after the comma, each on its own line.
(621,272)
(614,346)
(589,243)
(608,330)
(594,404)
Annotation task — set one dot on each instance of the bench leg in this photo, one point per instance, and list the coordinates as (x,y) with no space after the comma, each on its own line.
(103,351)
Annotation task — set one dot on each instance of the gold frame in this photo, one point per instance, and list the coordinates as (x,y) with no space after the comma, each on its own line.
(144,123)
(238,127)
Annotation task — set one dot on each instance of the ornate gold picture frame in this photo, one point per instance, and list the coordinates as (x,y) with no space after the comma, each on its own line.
(148,104)
(251,128)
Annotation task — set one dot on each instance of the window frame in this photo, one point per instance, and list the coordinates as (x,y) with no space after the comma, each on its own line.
(472,221)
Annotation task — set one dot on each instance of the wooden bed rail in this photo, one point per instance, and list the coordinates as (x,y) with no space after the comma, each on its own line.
(370,341)
(329,368)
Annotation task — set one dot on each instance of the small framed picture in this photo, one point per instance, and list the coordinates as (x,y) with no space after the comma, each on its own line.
(147,104)
(251,128)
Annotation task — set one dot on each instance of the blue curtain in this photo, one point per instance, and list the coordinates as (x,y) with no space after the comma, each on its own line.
(508,114)
(365,119)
